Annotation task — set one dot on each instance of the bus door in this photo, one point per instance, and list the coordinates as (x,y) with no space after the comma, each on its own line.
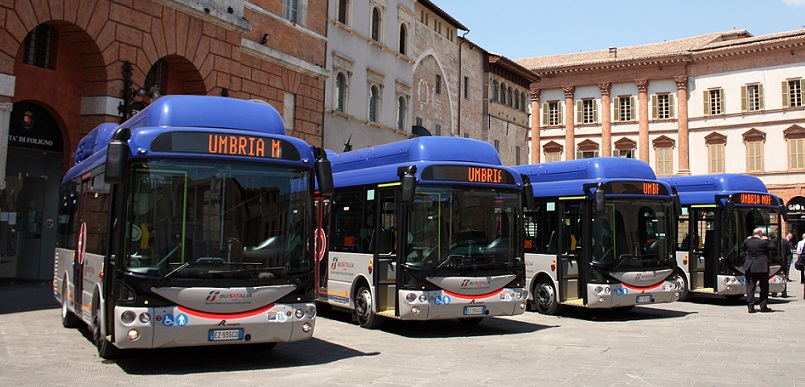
(321,235)
(384,247)
(570,254)
(704,250)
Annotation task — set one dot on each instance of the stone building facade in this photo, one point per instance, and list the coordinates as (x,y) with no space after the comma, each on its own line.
(726,102)
(63,66)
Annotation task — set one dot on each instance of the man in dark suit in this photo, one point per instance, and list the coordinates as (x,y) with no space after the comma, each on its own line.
(756,269)
(787,247)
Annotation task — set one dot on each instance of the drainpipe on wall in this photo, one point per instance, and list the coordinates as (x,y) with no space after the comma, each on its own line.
(460,80)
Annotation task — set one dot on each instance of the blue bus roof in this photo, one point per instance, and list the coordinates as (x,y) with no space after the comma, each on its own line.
(703,189)
(379,164)
(186,113)
(567,178)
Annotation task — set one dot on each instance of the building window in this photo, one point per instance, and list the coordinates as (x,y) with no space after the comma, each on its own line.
(516,101)
(553,156)
(796,154)
(494,91)
(291,10)
(374,103)
(586,111)
(552,113)
(288,110)
(343,11)
(509,96)
(792,93)
(340,92)
(438,129)
(715,156)
(376,20)
(752,97)
(662,107)
(403,40)
(466,87)
(418,121)
(754,156)
(497,146)
(438,84)
(517,155)
(40,47)
(664,166)
(523,102)
(624,108)
(625,153)
(401,111)
(713,102)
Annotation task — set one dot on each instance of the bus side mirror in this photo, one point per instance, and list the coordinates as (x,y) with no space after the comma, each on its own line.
(117,153)
(677,206)
(528,189)
(324,173)
(600,202)
(408,186)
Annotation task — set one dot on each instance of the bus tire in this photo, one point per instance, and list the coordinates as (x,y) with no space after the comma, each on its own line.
(106,350)
(545,297)
(68,318)
(682,282)
(363,309)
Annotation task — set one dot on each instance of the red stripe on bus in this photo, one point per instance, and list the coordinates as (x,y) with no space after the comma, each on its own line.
(643,288)
(471,296)
(248,313)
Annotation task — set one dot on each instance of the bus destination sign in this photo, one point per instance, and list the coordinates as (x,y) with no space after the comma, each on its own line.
(635,188)
(468,174)
(754,199)
(225,145)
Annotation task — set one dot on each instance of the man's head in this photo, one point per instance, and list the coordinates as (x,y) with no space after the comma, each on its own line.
(757,232)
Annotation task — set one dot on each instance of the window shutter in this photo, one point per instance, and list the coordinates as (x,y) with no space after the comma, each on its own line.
(785,94)
(706,102)
(579,155)
(559,113)
(722,109)
(617,108)
(760,96)
(579,110)
(615,153)
(670,106)
(655,106)
(631,108)
(595,111)
(743,99)
(545,115)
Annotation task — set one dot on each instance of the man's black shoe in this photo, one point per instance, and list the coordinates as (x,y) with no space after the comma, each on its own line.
(766,310)
(753,310)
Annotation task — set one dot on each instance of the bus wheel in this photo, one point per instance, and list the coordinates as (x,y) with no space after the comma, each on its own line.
(682,282)
(68,318)
(545,299)
(106,349)
(363,309)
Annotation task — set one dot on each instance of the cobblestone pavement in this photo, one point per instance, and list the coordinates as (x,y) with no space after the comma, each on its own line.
(710,341)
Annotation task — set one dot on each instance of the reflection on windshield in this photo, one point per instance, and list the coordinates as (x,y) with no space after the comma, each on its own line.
(632,234)
(206,220)
(462,229)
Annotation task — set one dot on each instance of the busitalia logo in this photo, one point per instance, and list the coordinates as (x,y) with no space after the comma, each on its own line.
(341,265)
(213,294)
(474,284)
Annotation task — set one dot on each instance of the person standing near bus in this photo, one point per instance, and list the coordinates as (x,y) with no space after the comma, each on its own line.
(756,269)
(800,246)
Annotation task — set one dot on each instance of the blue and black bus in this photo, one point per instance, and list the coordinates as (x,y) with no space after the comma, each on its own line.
(599,235)
(190,224)
(423,229)
(718,212)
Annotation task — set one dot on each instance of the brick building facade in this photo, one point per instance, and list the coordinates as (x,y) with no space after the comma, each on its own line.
(62,73)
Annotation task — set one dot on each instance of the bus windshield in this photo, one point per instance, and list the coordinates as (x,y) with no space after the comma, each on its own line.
(632,234)
(208,219)
(747,219)
(462,229)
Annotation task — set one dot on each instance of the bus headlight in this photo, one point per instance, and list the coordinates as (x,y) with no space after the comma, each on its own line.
(423,298)
(410,297)
(306,327)
(415,310)
(310,311)
(299,313)
(145,318)
(128,317)
(133,334)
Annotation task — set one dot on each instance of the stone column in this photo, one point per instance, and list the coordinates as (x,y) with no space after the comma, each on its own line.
(682,124)
(535,123)
(642,143)
(570,123)
(606,120)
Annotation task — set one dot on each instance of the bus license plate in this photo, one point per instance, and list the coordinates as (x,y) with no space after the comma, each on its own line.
(473,310)
(226,334)
(644,299)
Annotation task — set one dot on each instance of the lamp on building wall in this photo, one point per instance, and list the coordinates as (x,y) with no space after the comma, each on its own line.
(134,98)
(264,39)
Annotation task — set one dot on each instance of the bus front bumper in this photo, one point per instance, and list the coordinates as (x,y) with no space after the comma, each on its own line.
(622,295)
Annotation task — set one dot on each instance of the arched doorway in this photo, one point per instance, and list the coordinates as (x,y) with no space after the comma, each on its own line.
(29,202)
(796,217)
